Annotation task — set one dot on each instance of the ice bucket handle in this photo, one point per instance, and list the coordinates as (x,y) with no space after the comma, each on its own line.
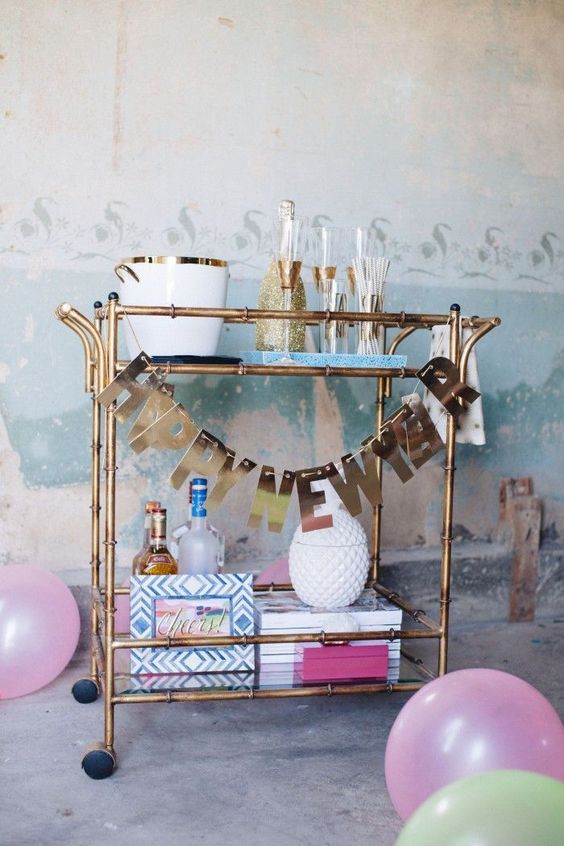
(124,268)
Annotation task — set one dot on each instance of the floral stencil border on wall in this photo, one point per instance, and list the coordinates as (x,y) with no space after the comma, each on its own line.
(441,258)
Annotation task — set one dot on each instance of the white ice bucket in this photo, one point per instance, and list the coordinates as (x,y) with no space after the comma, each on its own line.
(172,280)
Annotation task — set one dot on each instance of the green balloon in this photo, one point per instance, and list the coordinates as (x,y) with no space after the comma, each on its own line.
(496,808)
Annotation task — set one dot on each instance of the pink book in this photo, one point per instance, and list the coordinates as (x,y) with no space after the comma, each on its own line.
(340,663)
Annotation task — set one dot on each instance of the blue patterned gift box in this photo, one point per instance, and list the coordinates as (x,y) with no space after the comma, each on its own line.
(144,683)
(230,595)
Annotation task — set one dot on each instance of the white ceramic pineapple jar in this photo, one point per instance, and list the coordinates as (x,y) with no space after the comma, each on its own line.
(329,567)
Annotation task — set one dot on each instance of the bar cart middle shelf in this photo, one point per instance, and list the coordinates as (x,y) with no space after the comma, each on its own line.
(99,338)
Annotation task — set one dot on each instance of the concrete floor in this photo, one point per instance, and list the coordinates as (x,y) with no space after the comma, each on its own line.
(278,772)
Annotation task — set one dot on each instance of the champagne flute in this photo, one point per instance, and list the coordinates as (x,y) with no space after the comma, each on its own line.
(360,245)
(326,247)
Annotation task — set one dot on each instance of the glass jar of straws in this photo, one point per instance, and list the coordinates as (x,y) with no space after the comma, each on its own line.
(370,278)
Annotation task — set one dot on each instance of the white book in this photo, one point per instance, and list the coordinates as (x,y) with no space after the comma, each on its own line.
(289,648)
(283,610)
(271,675)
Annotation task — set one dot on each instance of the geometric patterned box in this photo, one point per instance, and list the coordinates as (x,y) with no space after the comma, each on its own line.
(177,606)
(186,681)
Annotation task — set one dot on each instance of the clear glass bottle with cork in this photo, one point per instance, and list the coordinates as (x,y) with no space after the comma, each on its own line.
(181,530)
(177,533)
(199,547)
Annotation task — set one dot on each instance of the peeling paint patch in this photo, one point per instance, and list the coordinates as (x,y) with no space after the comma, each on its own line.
(4,372)
(46,459)
(29,329)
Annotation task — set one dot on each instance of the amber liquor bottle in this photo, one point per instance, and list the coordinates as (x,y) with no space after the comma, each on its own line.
(159,561)
(137,563)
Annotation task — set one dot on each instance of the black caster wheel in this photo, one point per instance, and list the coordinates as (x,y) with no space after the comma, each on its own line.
(99,762)
(85,690)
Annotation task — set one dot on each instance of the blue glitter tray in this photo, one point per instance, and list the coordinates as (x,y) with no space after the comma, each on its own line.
(323,359)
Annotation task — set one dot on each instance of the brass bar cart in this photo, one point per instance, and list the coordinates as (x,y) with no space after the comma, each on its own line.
(99,338)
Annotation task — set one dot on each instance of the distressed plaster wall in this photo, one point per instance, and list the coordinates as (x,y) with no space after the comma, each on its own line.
(130,126)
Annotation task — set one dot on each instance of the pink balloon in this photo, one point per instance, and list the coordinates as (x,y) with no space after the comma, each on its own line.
(277,573)
(121,619)
(121,626)
(39,629)
(468,722)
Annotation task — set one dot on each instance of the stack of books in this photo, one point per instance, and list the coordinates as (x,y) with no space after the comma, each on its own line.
(283,612)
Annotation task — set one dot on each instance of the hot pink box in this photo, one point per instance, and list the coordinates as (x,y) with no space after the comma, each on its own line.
(342,663)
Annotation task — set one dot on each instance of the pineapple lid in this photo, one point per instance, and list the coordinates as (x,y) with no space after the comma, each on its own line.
(345,531)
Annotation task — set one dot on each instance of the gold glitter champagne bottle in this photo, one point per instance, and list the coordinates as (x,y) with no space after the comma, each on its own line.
(270,334)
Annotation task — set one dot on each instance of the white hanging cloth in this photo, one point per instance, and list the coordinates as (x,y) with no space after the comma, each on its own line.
(470,428)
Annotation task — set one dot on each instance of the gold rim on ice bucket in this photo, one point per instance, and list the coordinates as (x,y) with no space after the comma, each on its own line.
(123,264)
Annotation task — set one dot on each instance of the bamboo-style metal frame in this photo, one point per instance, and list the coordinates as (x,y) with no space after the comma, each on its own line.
(99,339)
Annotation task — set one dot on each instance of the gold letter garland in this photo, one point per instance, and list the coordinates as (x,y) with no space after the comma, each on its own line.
(159,434)
(158,403)
(227,477)
(205,457)
(355,478)
(164,424)
(152,386)
(268,499)
(126,381)
(446,392)
(419,439)
(308,499)
(386,446)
